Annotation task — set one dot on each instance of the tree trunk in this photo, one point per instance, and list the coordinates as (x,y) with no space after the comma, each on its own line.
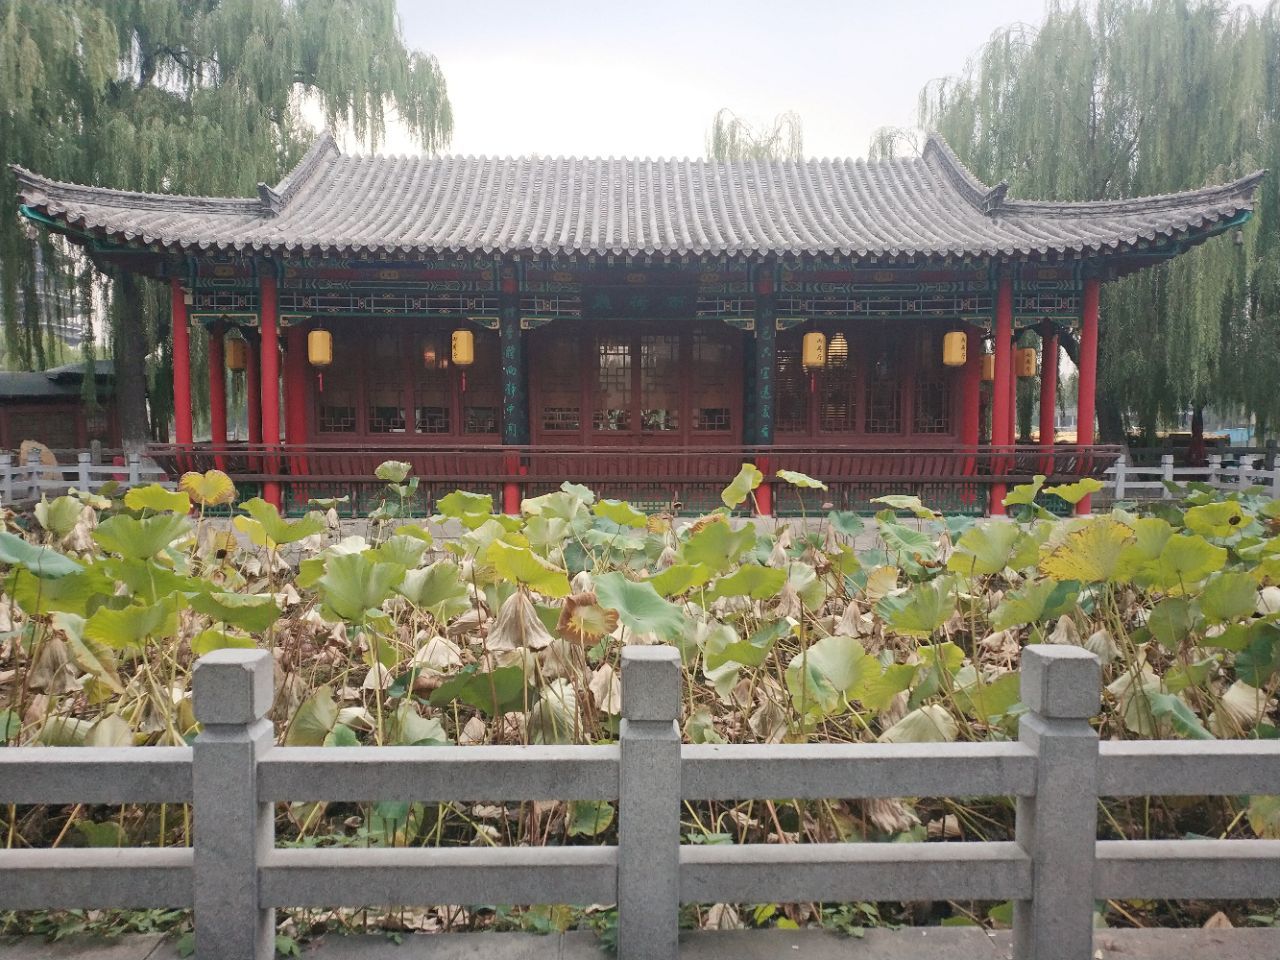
(1195,452)
(129,348)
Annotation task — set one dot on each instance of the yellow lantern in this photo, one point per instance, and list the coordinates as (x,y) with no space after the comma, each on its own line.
(955,349)
(813,354)
(320,348)
(837,350)
(988,367)
(1025,362)
(462,348)
(237,352)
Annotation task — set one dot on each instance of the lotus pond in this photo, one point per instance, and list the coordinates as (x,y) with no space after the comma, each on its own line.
(480,628)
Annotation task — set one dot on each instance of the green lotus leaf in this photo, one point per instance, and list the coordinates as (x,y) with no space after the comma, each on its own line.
(921,609)
(748,479)
(141,539)
(404,550)
(130,627)
(274,528)
(878,687)
(437,588)
(1171,620)
(60,515)
(621,513)
(42,561)
(157,499)
(901,540)
(209,489)
(749,580)
(80,593)
(252,612)
(639,606)
(522,565)
(392,471)
(1228,596)
(717,545)
(461,504)
(1073,493)
(984,550)
(1024,494)
(206,641)
(680,578)
(1174,711)
(1035,601)
(353,584)
(912,505)
(833,667)
(797,479)
(725,647)
(1219,519)
(1185,561)
(313,721)
(589,818)
(493,692)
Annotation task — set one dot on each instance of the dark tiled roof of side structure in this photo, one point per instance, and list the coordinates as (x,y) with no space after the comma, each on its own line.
(930,205)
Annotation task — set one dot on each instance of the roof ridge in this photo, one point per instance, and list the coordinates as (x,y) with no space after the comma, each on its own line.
(32,187)
(938,154)
(1239,189)
(277,198)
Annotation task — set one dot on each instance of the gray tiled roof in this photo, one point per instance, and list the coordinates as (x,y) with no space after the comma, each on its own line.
(925,205)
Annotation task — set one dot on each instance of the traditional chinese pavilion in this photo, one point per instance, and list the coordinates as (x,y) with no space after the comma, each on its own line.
(638,325)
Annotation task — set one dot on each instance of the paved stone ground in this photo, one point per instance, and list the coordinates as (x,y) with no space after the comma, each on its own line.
(933,943)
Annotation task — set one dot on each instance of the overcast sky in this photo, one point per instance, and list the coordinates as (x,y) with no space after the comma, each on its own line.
(645,77)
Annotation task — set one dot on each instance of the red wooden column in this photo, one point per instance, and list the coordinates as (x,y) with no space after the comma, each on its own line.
(217,393)
(1001,394)
(1048,393)
(1088,382)
(295,385)
(252,388)
(971,390)
(181,364)
(270,350)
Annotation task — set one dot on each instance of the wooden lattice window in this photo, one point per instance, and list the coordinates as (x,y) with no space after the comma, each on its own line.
(711,381)
(482,399)
(838,388)
(660,382)
(339,389)
(433,389)
(791,415)
(559,372)
(384,390)
(613,384)
(932,402)
(884,389)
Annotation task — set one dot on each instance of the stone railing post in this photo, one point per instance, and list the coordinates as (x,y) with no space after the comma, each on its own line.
(1243,479)
(233,830)
(649,805)
(33,474)
(1121,465)
(135,470)
(1058,827)
(1215,467)
(1166,473)
(6,478)
(82,470)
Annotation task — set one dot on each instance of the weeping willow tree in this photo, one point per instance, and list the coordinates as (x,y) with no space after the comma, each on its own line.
(207,97)
(732,138)
(1124,98)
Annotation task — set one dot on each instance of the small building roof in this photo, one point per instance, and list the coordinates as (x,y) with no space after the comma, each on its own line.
(929,205)
(63,381)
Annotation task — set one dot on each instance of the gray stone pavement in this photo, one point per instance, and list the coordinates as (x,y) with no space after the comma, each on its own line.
(918,943)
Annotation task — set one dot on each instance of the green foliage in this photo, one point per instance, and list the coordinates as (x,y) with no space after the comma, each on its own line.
(1096,78)
(169,96)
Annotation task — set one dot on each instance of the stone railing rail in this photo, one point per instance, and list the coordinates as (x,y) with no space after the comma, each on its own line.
(1125,481)
(22,482)
(235,876)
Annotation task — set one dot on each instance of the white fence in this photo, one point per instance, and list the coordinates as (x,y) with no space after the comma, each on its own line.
(236,876)
(24,482)
(1128,482)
